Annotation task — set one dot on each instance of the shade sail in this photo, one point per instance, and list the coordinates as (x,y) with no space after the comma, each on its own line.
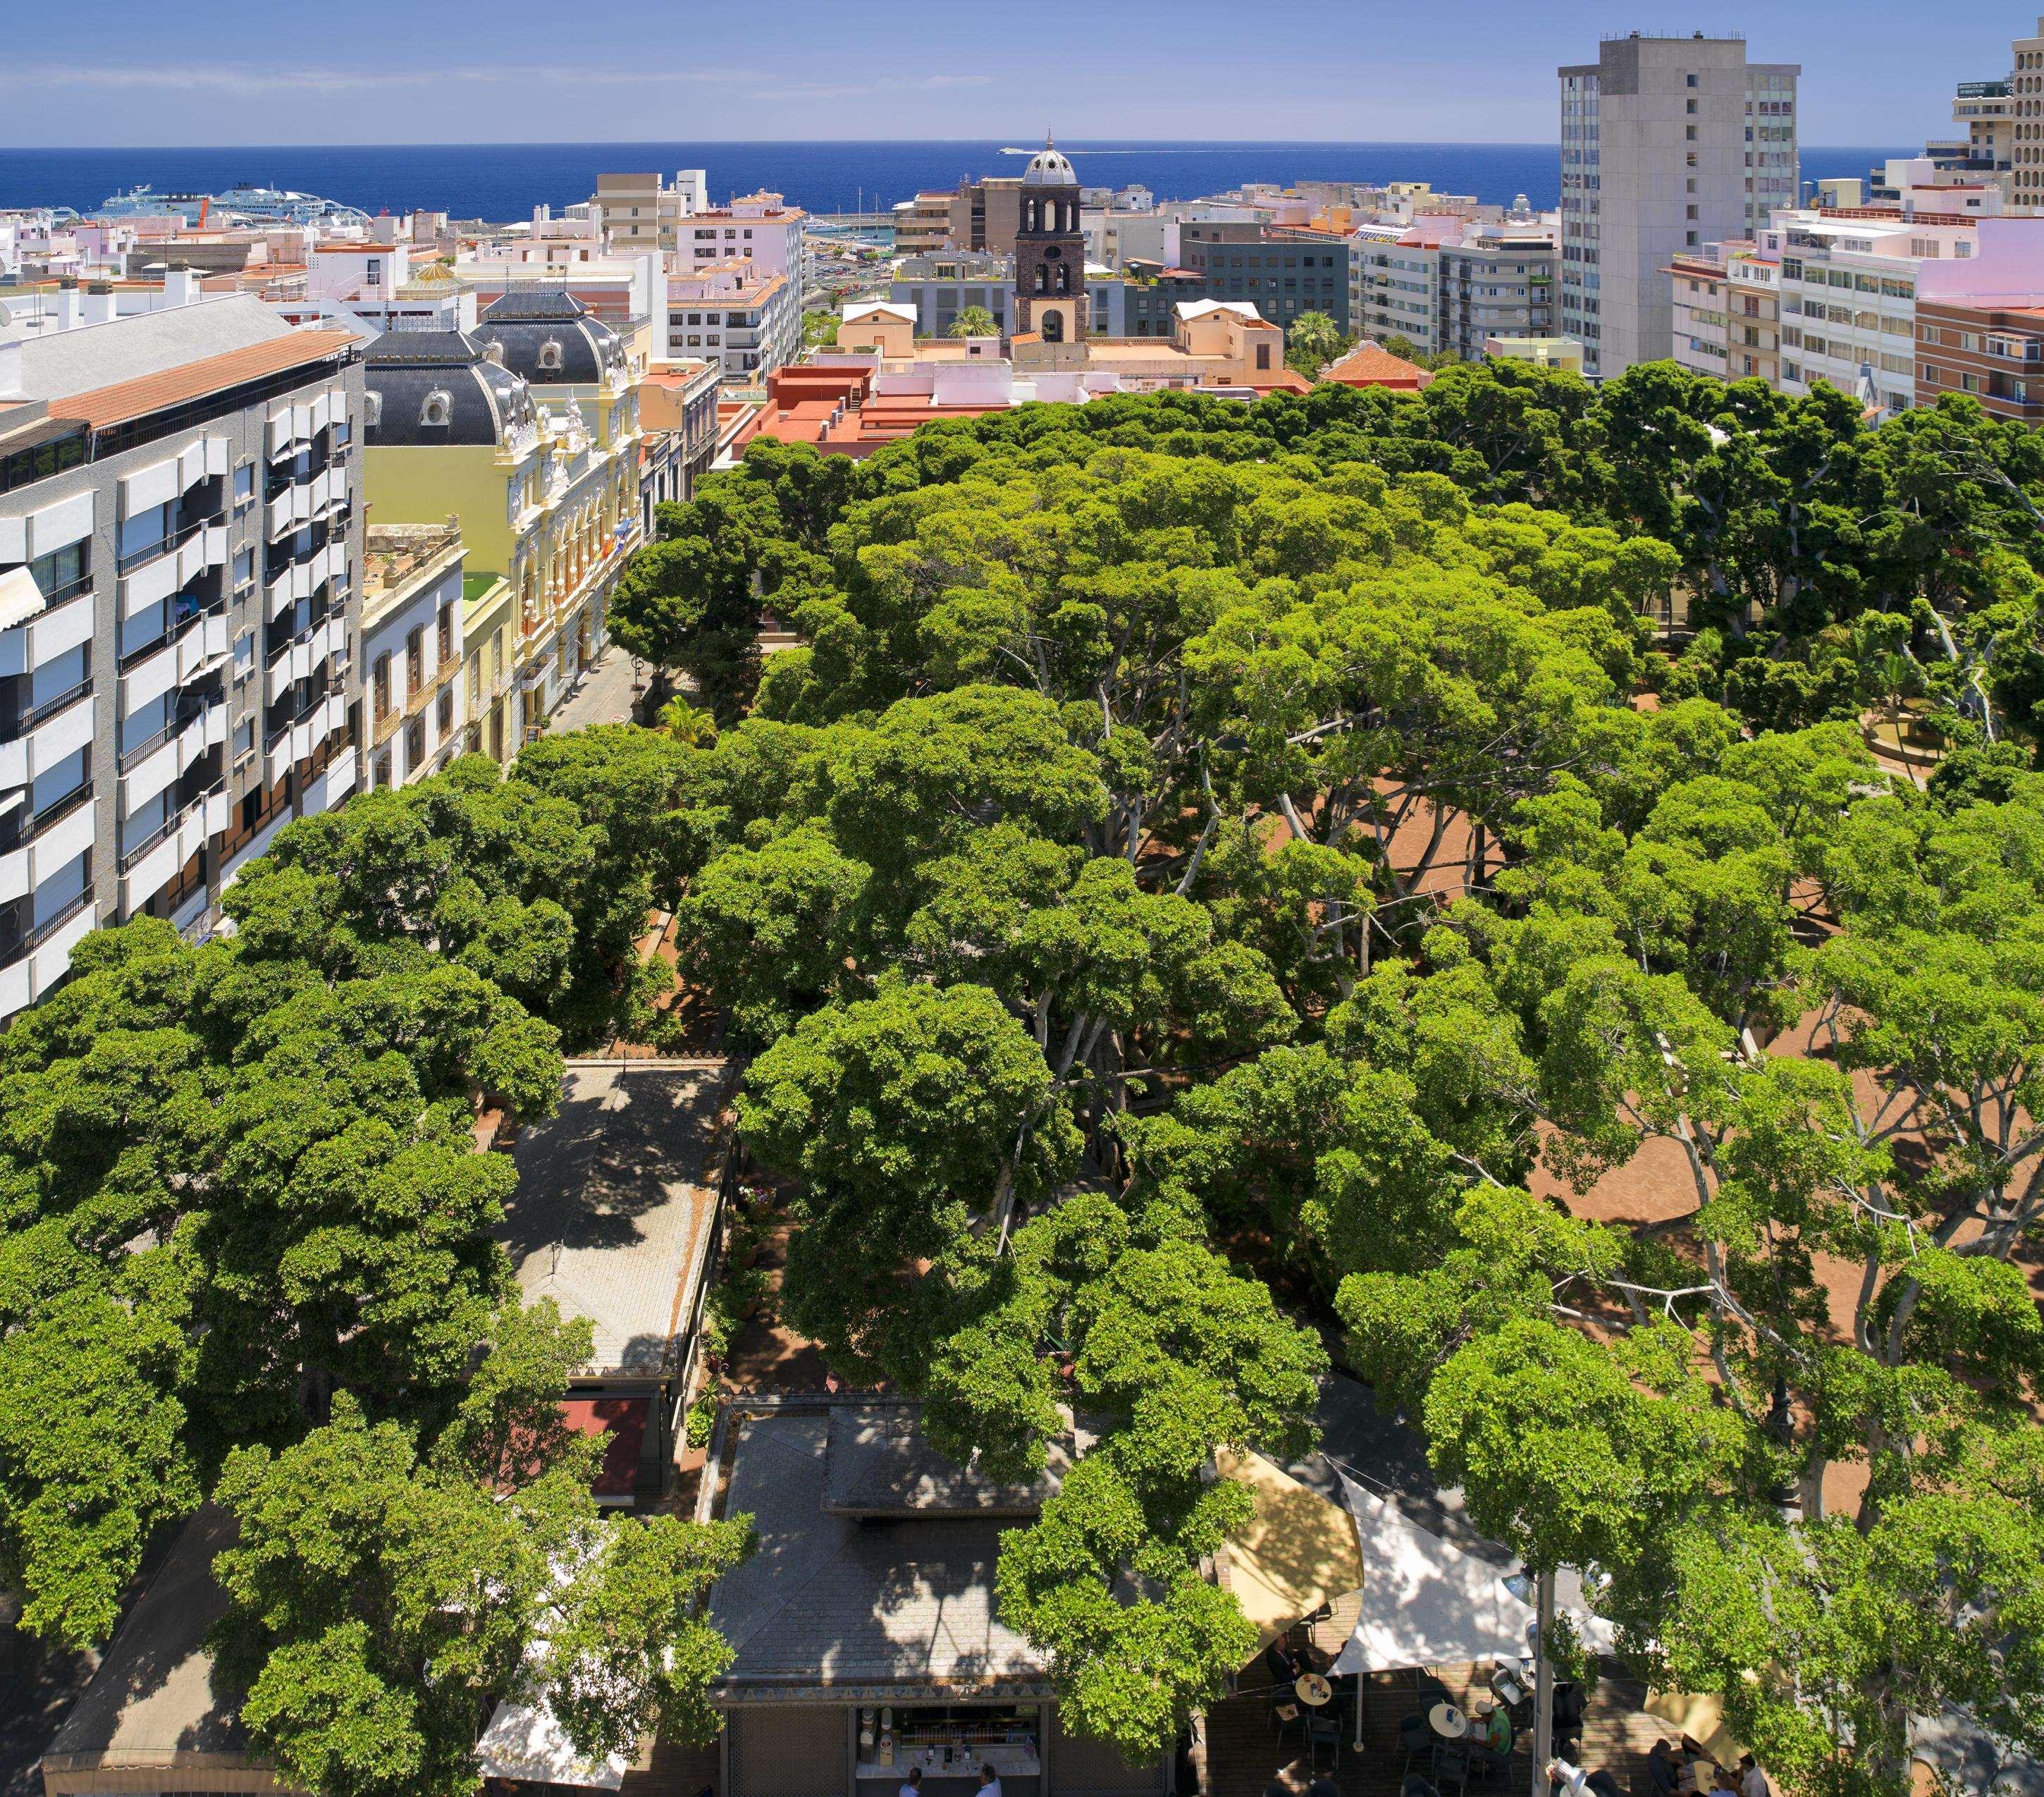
(1424,1602)
(1700,1717)
(1297,1552)
(525,1742)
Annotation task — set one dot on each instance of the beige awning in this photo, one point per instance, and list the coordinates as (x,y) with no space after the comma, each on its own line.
(1297,1552)
(1700,1717)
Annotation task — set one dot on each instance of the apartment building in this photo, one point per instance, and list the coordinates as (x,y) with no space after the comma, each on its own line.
(1727,313)
(2026,82)
(1667,144)
(1497,282)
(180,531)
(1282,273)
(761,228)
(1446,283)
(1995,353)
(412,650)
(641,212)
(923,225)
(677,427)
(747,321)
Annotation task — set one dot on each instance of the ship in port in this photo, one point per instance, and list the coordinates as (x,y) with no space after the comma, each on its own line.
(246,203)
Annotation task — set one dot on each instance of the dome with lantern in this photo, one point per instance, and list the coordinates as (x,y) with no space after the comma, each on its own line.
(1049,167)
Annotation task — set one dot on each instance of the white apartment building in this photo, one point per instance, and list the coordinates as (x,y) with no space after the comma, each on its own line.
(180,531)
(1850,285)
(1667,144)
(411,632)
(761,228)
(1447,283)
(748,322)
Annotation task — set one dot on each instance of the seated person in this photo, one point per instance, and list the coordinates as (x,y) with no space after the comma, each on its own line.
(1494,1730)
(1752,1781)
(1663,1767)
(1573,1781)
(1721,1783)
(1283,1664)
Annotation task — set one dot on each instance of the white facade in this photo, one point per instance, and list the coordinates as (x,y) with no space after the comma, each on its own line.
(728,314)
(1668,144)
(177,608)
(412,652)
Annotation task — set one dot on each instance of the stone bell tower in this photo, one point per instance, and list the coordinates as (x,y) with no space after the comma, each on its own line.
(1050,251)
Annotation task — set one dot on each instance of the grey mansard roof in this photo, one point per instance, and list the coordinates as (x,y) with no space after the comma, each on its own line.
(407,371)
(551,337)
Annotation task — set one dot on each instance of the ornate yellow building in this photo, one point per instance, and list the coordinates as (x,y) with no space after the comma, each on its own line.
(527,429)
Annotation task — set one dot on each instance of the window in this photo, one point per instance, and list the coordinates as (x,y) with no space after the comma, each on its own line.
(245,485)
(415,659)
(550,354)
(415,745)
(438,410)
(372,409)
(445,643)
(244,655)
(446,713)
(244,567)
(244,740)
(382,682)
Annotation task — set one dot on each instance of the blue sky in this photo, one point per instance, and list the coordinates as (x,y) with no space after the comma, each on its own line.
(286,72)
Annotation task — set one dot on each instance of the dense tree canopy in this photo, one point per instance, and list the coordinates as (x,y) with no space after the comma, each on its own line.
(248,1254)
(1203,851)
(1215,880)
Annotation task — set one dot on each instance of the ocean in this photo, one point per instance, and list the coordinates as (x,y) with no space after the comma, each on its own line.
(503,182)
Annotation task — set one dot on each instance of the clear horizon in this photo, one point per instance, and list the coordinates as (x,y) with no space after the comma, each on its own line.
(1473,71)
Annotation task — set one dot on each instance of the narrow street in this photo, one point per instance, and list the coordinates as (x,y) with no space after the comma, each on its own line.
(604,696)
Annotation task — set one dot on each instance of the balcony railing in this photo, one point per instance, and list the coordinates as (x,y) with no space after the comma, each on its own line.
(174,817)
(176,539)
(13,727)
(44,931)
(60,808)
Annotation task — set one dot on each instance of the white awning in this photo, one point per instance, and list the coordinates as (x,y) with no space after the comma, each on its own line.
(20,598)
(1425,1603)
(525,1742)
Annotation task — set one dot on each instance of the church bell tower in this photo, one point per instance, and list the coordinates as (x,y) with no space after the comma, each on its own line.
(1050,251)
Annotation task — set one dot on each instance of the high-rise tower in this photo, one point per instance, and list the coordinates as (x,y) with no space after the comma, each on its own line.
(1050,251)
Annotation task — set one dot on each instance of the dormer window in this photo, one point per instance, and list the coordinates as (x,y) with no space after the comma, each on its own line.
(438,410)
(372,409)
(550,354)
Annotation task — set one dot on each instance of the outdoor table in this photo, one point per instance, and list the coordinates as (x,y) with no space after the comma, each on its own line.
(1313,1689)
(1448,1722)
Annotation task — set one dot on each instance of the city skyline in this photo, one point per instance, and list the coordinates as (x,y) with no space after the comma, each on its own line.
(1474,72)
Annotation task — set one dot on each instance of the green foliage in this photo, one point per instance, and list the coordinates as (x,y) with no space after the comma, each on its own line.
(975,321)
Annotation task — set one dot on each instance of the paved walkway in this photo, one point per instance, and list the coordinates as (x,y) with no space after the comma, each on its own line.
(604,696)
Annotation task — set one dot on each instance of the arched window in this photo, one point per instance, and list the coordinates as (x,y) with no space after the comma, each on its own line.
(550,354)
(372,409)
(1064,279)
(1042,279)
(1054,327)
(438,410)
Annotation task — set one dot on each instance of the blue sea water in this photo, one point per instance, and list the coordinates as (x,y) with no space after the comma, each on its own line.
(504,181)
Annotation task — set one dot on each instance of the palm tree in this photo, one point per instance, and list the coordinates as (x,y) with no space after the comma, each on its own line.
(685,724)
(975,321)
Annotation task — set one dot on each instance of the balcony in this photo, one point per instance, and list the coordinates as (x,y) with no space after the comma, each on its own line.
(293,580)
(299,660)
(33,742)
(149,865)
(290,427)
(286,748)
(149,766)
(33,847)
(150,576)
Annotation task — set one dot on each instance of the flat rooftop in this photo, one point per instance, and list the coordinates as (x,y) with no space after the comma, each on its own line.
(611,1214)
(832,1599)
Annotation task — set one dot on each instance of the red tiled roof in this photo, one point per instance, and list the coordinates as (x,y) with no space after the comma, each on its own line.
(1368,365)
(104,406)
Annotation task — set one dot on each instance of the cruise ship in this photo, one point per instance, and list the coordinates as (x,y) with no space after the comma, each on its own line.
(245,201)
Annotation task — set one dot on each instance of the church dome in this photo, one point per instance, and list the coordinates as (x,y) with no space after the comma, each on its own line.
(1049,167)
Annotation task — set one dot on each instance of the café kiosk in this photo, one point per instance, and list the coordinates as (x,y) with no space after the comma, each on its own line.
(863,1629)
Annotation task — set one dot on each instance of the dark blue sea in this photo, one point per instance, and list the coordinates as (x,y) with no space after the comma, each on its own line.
(503,182)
